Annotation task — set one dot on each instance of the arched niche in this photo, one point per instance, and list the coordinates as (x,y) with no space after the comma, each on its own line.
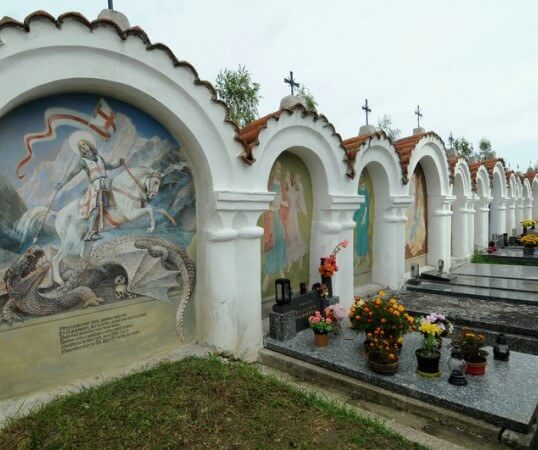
(462,223)
(535,198)
(416,229)
(482,209)
(527,199)
(287,226)
(498,204)
(379,176)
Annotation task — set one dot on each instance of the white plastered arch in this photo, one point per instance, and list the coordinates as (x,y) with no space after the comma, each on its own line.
(431,155)
(462,223)
(534,186)
(499,193)
(527,198)
(379,157)
(313,140)
(482,209)
(66,57)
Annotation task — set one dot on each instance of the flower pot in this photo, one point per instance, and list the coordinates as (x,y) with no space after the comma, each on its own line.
(428,363)
(384,369)
(328,282)
(528,251)
(476,368)
(321,339)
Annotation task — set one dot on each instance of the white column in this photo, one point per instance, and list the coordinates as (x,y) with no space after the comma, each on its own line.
(470,214)
(528,208)
(389,258)
(510,215)
(229,308)
(459,231)
(439,229)
(481,230)
(520,212)
(498,215)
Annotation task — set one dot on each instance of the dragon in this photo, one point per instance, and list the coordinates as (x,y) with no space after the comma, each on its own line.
(152,265)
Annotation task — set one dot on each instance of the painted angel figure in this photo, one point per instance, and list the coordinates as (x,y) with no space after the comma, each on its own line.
(296,245)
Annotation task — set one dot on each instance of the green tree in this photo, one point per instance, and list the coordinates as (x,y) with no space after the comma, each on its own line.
(385,125)
(240,93)
(308,98)
(485,150)
(464,147)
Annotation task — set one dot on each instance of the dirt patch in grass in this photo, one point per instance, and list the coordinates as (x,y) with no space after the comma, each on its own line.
(196,403)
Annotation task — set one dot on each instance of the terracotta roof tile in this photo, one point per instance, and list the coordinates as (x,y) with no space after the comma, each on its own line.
(530,175)
(473,168)
(406,146)
(8,22)
(250,133)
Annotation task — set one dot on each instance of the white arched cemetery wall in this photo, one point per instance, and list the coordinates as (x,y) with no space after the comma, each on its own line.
(527,199)
(511,205)
(335,200)
(379,157)
(71,58)
(482,211)
(463,214)
(498,203)
(431,155)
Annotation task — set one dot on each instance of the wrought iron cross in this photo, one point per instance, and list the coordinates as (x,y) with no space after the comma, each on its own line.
(111,4)
(293,84)
(419,115)
(366,109)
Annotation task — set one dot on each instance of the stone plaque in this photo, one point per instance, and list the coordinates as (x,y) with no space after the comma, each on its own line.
(304,306)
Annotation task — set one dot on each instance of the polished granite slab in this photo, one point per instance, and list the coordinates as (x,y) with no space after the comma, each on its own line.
(506,396)
(498,271)
(509,284)
(526,298)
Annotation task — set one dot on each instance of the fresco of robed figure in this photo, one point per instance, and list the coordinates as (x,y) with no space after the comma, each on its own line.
(364,229)
(416,228)
(287,225)
(99,207)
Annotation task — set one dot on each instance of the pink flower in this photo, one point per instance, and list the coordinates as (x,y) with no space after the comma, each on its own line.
(316,319)
(339,311)
(328,311)
(345,243)
(311,319)
(328,320)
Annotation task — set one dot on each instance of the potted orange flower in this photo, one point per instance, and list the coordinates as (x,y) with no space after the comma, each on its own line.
(472,349)
(378,312)
(383,354)
(530,242)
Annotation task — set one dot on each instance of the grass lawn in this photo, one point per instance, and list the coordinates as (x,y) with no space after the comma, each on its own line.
(196,403)
(479,258)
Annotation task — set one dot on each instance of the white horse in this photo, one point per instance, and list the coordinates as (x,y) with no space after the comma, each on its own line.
(131,191)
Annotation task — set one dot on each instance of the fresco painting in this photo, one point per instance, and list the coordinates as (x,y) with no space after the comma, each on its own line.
(416,228)
(98,206)
(364,230)
(287,225)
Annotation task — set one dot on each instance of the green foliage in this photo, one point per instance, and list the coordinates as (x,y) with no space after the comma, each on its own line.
(308,98)
(240,93)
(385,124)
(463,147)
(485,150)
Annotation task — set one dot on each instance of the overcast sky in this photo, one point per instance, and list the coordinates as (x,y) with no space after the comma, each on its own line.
(472,65)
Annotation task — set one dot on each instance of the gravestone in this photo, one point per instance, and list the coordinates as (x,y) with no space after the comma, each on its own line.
(285,321)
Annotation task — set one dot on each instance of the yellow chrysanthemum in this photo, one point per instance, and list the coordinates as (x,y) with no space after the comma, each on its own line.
(430,328)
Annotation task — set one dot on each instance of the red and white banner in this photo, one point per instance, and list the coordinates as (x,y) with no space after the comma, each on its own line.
(102,123)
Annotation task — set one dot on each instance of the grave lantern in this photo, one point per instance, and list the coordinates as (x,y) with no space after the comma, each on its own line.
(282,291)
(415,271)
(440,265)
(457,366)
(501,351)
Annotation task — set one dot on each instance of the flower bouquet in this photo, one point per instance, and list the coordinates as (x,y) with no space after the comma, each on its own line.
(336,313)
(328,266)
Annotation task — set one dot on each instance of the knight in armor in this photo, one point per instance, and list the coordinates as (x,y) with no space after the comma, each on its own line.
(98,196)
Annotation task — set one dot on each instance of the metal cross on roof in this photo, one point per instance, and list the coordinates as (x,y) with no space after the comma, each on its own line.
(293,84)
(451,140)
(419,115)
(366,109)
(110,4)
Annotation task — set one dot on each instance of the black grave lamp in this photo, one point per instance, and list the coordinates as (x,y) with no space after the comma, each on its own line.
(457,366)
(282,291)
(501,352)
(440,265)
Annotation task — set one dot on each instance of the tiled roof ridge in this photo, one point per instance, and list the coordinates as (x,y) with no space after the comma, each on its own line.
(9,22)
(406,145)
(250,133)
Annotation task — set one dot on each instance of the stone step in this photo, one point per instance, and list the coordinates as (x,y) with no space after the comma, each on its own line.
(486,293)
(455,427)
(504,284)
(499,271)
